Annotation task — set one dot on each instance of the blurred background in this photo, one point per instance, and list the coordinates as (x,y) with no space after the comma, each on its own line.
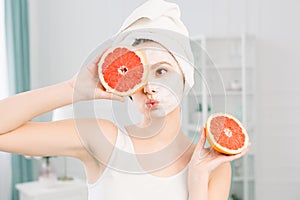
(58,35)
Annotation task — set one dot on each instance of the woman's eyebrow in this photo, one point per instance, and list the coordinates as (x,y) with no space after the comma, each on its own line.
(161,63)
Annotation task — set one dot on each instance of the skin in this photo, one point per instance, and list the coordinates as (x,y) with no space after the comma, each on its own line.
(209,172)
(163,84)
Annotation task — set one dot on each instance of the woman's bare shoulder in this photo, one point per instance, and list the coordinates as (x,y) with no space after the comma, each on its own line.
(90,129)
(109,129)
(98,136)
(57,138)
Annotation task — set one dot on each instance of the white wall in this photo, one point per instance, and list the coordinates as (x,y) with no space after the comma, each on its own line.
(63,32)
(279,97)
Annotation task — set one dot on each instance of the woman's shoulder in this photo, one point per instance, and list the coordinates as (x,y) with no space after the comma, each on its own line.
(99,144)
(96,135)
(109,129)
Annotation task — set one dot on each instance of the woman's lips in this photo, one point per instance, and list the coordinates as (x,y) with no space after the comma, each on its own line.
(152,103)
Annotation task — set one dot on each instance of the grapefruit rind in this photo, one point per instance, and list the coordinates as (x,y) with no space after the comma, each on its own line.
(136,87)
(215,144)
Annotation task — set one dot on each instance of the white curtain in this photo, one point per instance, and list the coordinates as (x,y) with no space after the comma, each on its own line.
(5,164)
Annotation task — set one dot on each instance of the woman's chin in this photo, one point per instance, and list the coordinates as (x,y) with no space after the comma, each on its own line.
(157,113)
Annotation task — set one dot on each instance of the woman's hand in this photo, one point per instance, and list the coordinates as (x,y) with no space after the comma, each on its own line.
(87,85)
(205,160)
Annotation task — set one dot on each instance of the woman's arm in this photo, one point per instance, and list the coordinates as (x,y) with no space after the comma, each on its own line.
(215,186)
(17,135)
(219,184)
(198,187)
(209,175)
(18,109)
(58,138)
(43,139)
(85,85)
(38,138)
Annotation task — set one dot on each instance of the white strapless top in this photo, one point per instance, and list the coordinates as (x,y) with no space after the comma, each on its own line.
(124,179)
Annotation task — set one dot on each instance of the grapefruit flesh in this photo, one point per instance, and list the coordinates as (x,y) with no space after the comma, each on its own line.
(122,71)
(226,134)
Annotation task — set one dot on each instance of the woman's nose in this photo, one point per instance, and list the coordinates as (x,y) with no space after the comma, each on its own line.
(150,88)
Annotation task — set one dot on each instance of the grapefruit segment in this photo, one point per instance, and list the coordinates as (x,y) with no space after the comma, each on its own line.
(226,134)
(122,71)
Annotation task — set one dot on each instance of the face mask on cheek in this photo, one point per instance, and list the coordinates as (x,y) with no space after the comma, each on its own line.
(169,92)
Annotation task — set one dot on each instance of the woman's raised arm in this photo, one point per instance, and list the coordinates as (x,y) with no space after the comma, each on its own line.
(85,85)
(18,135)
(21,108)
(210,172)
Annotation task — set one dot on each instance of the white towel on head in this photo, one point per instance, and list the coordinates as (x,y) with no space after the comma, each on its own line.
(160,21)
(157,14)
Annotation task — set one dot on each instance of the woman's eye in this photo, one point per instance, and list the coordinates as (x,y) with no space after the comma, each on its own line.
(161,71)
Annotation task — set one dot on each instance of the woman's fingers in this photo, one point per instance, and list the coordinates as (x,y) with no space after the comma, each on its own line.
(202,139)
(93,66)
(116,97)
(93,69)
(100,92)
(208,158)
(97,59)
(228,158)
(200,145)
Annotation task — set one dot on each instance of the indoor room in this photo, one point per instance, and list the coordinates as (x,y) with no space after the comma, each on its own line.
(243,56)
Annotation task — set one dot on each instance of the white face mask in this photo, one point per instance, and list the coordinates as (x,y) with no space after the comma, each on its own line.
(167,85)
(165,82)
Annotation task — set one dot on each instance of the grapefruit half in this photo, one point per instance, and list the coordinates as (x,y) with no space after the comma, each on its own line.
(122,71)
(226,134)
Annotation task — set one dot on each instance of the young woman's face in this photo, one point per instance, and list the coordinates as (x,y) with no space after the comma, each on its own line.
(164,90)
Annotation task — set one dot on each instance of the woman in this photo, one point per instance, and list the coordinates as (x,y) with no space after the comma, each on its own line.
(151,160)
